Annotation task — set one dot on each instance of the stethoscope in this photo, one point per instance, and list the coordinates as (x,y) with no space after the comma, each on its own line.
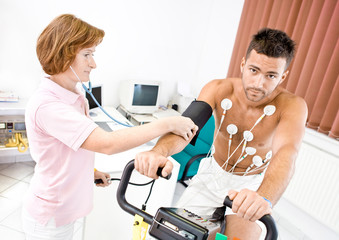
(89,91)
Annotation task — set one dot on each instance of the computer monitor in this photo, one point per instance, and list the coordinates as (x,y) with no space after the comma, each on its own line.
(139,96)
(97,93)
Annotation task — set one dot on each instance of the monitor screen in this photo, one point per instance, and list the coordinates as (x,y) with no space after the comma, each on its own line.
(140,96)
(145,95)
(96,91)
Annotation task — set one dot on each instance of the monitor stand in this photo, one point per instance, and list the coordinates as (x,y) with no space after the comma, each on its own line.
(136,119)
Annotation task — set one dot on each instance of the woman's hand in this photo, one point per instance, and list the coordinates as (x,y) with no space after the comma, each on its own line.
(182,126)
(104,177)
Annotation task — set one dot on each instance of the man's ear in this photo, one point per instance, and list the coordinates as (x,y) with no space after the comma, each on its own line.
(284,76)
(242,64)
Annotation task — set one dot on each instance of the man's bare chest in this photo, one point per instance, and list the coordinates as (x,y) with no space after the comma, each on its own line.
(240,134)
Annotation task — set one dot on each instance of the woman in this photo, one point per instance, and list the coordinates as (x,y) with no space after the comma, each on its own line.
(62,136)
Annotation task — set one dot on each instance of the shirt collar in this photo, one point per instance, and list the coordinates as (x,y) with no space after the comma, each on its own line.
(62,93)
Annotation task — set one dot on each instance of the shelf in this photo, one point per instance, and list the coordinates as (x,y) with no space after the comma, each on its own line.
(13,108)
(10,111)
(12,155)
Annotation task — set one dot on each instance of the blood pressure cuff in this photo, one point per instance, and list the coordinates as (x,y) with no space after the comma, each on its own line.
(199,112)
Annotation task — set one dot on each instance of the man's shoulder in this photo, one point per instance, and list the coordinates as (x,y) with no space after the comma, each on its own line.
(217,89)
(288,100)
(223,84)
(225,81)
(286,95)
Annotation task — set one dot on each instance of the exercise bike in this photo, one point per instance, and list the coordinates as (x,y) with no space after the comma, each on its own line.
(178,223)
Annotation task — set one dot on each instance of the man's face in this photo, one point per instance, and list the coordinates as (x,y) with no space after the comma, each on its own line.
(261,75)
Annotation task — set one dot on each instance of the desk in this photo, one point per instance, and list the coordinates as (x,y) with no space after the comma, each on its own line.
(139,119)
(99,116)
(108,221)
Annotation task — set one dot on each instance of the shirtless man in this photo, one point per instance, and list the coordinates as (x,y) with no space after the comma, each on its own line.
(264,69)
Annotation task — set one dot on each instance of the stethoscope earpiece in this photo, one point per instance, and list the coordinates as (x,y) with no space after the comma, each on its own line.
(89,89)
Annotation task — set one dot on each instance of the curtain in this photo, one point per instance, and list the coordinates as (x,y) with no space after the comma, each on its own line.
(314,26)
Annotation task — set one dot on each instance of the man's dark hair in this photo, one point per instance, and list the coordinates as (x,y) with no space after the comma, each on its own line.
(272,43)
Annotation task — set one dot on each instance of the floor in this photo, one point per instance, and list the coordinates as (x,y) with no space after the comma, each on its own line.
(14,181)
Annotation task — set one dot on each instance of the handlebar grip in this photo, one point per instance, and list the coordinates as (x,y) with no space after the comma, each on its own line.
(99,180)
(267,220)
(159,174)
(228,202)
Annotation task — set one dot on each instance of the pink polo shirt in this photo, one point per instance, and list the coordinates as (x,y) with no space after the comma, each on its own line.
(57,124)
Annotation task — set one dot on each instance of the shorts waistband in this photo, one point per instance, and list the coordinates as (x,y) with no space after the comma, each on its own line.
(216,167)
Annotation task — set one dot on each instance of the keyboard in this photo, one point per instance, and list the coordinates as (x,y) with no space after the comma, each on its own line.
(107,123)
(105,126)
(166,113)
(110,126)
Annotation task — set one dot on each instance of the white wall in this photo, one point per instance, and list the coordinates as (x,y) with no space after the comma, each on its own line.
(186,41)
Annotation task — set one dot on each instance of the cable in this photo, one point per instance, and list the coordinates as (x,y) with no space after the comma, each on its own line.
(101,108)
(149,194)
(98,181)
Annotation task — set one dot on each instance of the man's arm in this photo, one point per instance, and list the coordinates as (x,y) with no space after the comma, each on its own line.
(148,162)
(286,142)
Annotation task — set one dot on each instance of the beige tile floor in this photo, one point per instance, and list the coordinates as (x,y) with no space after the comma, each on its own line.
(14,181)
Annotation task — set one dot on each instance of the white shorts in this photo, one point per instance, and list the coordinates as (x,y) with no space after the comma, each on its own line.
(36,231)
(209,187)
